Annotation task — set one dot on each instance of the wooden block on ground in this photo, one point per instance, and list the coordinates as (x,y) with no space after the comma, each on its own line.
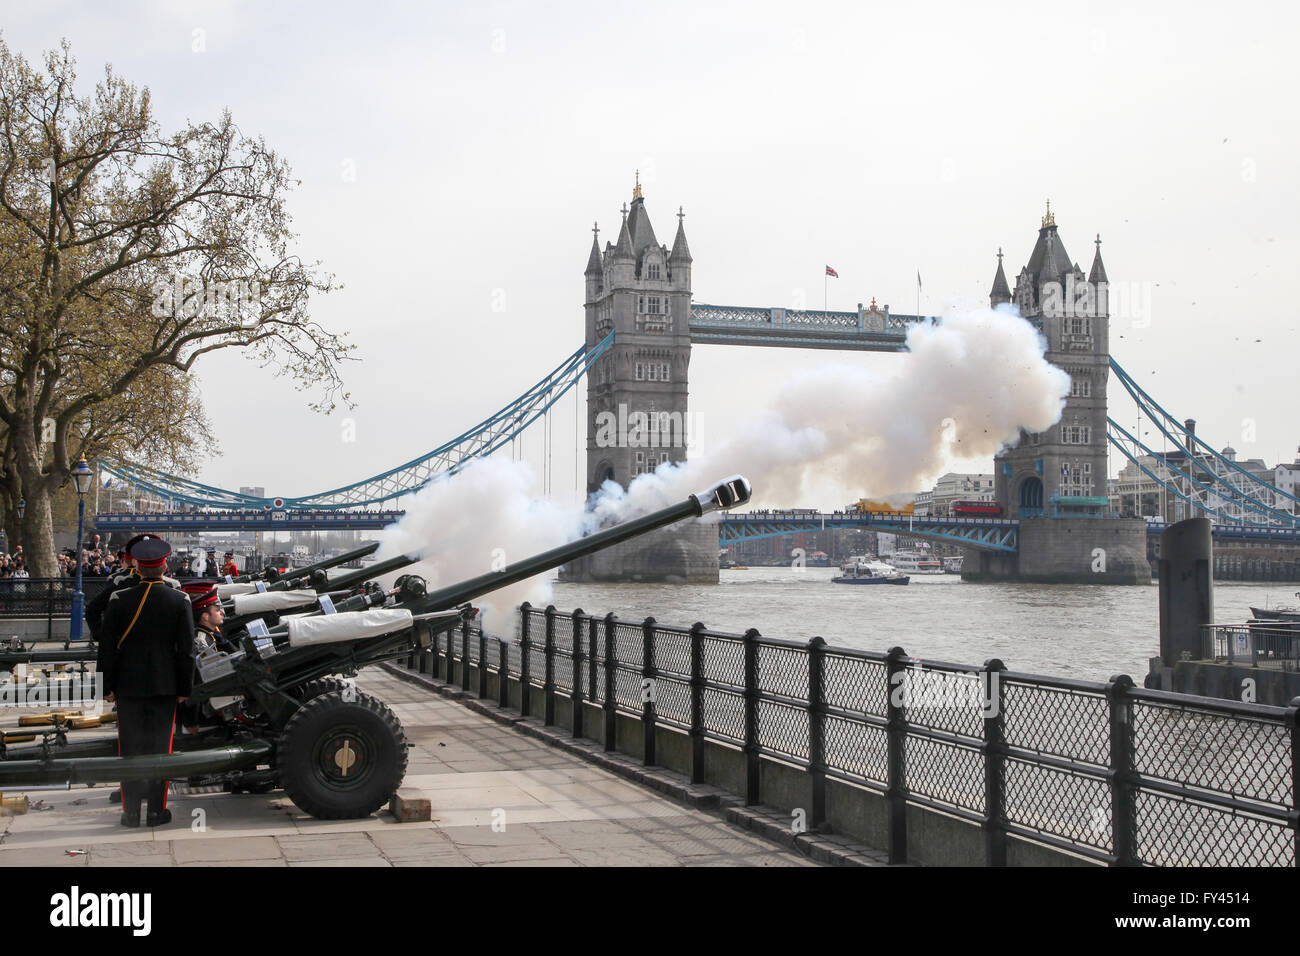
(410,805)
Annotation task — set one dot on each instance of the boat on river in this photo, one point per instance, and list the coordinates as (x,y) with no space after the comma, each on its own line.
(869,572)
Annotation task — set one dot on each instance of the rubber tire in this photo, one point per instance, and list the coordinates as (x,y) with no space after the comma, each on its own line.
(314,688)
(308,748)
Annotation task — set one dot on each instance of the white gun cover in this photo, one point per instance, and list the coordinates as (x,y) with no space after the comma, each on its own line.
(347,626)
(273,601)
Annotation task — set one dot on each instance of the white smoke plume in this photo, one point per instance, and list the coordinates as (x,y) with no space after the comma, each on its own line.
(965,390)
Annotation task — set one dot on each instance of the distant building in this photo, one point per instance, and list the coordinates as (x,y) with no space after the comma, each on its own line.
(959,487)
(252,492)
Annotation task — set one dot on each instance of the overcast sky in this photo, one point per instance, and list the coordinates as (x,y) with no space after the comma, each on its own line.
(454,156)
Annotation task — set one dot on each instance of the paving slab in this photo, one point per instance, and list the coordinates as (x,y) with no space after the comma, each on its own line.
(480,775)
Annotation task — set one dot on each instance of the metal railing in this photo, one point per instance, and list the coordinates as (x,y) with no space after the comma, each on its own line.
(1253,645)
(1107,771)
(49,598)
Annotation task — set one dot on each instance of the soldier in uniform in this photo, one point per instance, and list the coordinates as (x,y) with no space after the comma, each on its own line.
(146,654)
(229,568)
(208,618)
(125,578)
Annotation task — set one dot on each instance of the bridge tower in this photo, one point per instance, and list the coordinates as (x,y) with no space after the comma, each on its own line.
(1055,481)
(636,391)
(637,417)
(1061,471)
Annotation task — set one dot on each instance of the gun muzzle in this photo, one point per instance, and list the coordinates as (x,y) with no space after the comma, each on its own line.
(725,494)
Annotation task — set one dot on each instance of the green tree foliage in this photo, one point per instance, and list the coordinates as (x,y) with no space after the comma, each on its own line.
(125,256)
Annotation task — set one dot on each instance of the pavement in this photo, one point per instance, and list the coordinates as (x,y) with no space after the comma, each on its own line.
(499,798)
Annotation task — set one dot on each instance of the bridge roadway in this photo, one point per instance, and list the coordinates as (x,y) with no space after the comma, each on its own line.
(982,534)
(172,522)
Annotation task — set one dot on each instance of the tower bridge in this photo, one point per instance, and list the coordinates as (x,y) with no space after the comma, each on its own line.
(640,325)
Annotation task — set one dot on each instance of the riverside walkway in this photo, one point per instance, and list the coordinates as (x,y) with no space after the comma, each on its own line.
(551,808)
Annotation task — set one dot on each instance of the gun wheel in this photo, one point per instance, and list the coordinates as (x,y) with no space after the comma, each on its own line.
(314,688)
(340,759)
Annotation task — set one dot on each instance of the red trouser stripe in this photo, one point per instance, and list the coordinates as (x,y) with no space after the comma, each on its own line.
(171,735)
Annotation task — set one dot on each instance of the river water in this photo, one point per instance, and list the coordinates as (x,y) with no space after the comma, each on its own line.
(1085,631)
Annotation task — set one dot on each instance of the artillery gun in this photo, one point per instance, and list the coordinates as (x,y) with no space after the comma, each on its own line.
(282,717)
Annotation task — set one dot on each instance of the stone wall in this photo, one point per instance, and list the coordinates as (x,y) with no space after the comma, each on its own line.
(1071,551)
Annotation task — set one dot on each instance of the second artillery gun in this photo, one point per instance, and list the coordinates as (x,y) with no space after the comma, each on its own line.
(282,716)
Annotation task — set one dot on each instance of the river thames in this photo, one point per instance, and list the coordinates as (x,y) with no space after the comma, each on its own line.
(1082,631)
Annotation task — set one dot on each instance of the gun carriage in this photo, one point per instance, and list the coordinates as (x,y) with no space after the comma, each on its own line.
(281,716)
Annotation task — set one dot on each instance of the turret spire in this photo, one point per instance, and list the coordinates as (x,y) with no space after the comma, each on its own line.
(636,190)
(1098,273)
(1001,292)
(593,261)
(681,251)
(1048,218)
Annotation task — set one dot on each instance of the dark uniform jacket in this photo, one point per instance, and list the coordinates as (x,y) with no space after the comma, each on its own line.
(157,656)
(96,608)
(122,579)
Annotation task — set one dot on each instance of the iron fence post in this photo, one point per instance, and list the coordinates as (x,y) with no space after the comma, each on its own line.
(578,657)
(503,673)
(649,685)
(697,702)
(548,676)
(1293,724)
(817,730)
(482,661)
(525,652)
(1123,821)
(896,749)
(593,629)
(995,764)
(752,780)
(611,684)
(464,654)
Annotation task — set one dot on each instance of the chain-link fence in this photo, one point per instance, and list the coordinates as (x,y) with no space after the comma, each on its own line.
(1108,771)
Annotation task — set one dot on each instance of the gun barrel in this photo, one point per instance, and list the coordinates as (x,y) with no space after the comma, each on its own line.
(725,494)
(352,578)
(294,573)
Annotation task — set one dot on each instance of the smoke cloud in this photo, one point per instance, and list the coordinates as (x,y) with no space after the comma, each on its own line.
(967,388)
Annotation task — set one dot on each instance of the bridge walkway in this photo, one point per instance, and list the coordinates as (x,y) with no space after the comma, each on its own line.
(558,811)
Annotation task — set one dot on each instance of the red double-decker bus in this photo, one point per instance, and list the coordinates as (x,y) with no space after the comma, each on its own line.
(983,509)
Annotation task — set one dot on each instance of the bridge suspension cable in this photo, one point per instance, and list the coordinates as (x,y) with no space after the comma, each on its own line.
(1228,480)
(495,432)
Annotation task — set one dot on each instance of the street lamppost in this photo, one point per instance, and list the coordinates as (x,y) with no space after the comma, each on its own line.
(81,475)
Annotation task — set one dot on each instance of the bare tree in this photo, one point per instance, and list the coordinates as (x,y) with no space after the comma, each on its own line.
(125,256)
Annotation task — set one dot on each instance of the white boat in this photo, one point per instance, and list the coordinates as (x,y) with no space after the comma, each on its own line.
(952,564)
(916,562)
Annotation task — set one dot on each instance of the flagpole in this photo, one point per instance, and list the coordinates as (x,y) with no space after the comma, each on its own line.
(825,280)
